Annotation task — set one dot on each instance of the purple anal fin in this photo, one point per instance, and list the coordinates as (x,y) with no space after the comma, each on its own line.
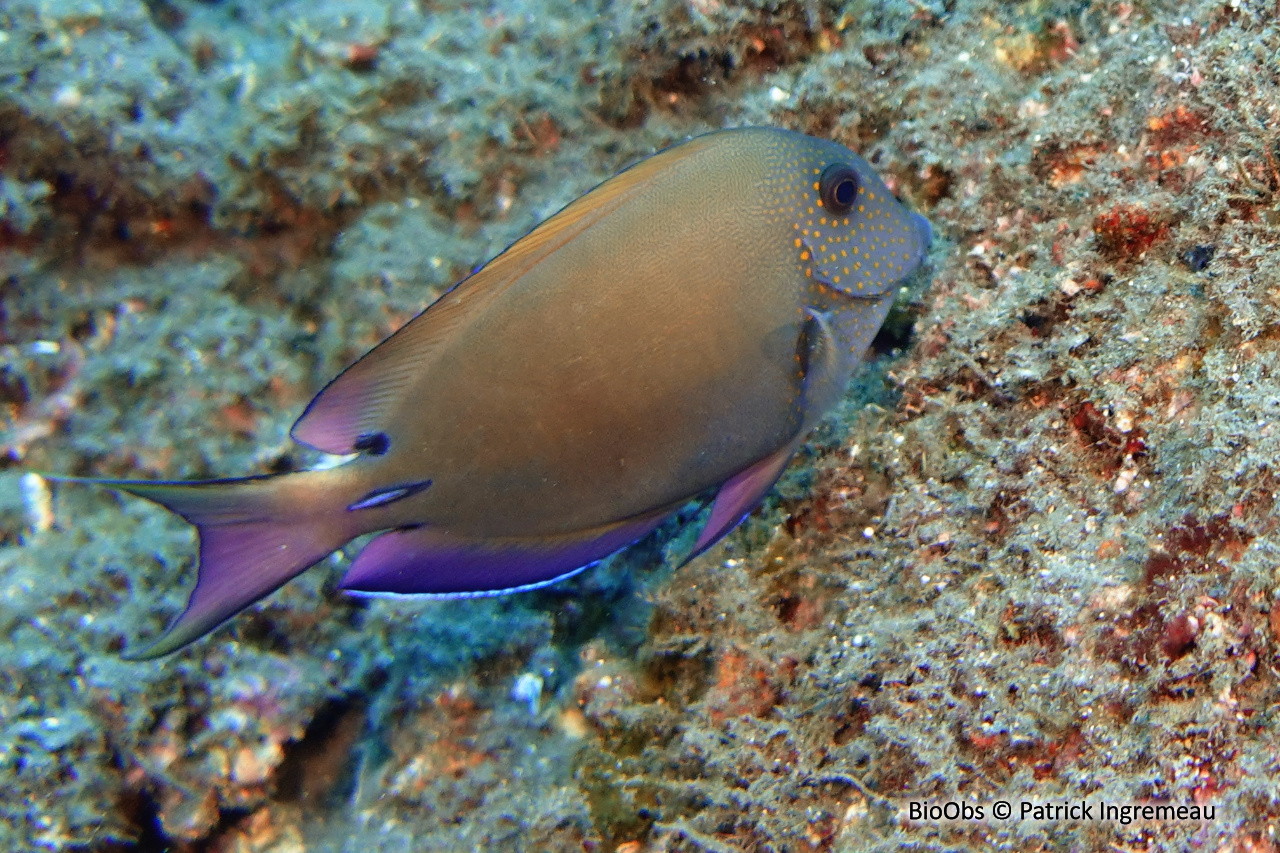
(428,561)
(739,495)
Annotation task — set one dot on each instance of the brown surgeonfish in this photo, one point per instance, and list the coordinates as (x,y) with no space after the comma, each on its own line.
(678,329)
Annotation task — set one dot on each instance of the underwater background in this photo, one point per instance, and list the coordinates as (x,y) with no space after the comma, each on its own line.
(1032,558)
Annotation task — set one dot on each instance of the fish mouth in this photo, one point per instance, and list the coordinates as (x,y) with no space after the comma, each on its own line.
(924,231)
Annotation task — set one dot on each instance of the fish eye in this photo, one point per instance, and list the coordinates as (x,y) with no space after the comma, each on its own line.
(838,187)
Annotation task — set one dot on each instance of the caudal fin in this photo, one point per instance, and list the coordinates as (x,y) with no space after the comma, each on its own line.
(253,539)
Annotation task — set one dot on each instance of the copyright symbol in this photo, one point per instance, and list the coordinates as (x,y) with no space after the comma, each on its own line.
(1001,809)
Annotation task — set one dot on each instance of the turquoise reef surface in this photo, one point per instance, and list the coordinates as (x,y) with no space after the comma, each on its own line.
(1033,560)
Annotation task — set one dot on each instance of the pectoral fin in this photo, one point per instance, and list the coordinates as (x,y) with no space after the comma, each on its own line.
(823,371)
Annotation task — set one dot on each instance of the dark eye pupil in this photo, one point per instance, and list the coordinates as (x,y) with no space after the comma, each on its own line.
(844,192)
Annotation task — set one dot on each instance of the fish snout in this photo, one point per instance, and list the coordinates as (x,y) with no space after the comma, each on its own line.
(924,231)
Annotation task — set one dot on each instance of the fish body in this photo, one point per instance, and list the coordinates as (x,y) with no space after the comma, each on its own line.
(677,329)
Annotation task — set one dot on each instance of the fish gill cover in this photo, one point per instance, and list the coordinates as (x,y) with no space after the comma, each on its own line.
(1032,559)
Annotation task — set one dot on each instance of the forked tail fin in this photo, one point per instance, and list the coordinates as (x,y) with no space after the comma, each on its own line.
(255,534)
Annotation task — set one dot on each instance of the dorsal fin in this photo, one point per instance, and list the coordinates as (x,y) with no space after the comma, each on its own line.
(356,404)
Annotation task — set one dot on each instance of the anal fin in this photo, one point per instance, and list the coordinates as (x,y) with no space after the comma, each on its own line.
(427,561)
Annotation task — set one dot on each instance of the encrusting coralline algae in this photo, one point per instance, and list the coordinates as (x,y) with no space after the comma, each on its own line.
(1031,560)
